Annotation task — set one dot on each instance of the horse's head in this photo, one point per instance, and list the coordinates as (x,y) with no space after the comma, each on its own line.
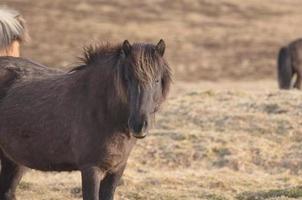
(147,78)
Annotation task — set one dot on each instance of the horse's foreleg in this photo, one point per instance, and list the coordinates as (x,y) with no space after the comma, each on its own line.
(91,177)
(10,176)
(110,182)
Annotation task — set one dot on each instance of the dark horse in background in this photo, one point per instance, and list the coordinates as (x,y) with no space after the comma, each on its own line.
(290,64)
(87,119)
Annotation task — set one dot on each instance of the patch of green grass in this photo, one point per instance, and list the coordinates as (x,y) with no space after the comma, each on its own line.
(215,197)
(295,192)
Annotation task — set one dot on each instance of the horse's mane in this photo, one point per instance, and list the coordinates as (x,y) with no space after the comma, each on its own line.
(12,27)
(95,53)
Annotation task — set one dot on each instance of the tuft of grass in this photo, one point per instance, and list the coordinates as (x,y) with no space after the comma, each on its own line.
(215,197)
(25,185)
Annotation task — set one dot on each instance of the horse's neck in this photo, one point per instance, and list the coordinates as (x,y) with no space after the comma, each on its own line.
(104,97)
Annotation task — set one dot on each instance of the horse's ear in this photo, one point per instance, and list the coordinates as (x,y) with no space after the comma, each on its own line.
(160,47)
(126,48)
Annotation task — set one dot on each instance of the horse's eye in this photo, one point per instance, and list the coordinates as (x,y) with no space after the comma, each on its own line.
(157,81)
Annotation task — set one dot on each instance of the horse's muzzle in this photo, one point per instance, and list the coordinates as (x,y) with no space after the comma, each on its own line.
(138,128)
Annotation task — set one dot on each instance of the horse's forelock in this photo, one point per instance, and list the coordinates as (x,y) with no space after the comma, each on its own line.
(146,63)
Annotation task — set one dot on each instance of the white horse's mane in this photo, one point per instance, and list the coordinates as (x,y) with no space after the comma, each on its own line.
(12,27)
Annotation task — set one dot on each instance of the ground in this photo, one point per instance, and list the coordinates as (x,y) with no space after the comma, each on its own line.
(226,131)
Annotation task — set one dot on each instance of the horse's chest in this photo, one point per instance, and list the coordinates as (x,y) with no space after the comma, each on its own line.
(114,151)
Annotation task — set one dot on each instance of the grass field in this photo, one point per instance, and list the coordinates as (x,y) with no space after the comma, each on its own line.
(226,132)
(208,144)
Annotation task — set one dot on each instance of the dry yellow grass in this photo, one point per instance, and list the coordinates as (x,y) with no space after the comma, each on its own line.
(212,141)
(207,144)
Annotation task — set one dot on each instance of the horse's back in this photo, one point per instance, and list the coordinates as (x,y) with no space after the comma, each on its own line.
(27,69)
(15,70)
(295,48)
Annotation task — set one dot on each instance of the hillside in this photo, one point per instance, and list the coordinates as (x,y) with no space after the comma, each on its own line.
(223,39)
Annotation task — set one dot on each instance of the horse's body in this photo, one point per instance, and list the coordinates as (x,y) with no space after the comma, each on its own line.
(85,120)
(289,64)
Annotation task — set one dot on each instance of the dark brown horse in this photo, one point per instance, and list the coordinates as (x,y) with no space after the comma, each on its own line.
(290,64)
(87,120)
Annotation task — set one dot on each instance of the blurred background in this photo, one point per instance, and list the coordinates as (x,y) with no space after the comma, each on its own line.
(226,132)
(206,40)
